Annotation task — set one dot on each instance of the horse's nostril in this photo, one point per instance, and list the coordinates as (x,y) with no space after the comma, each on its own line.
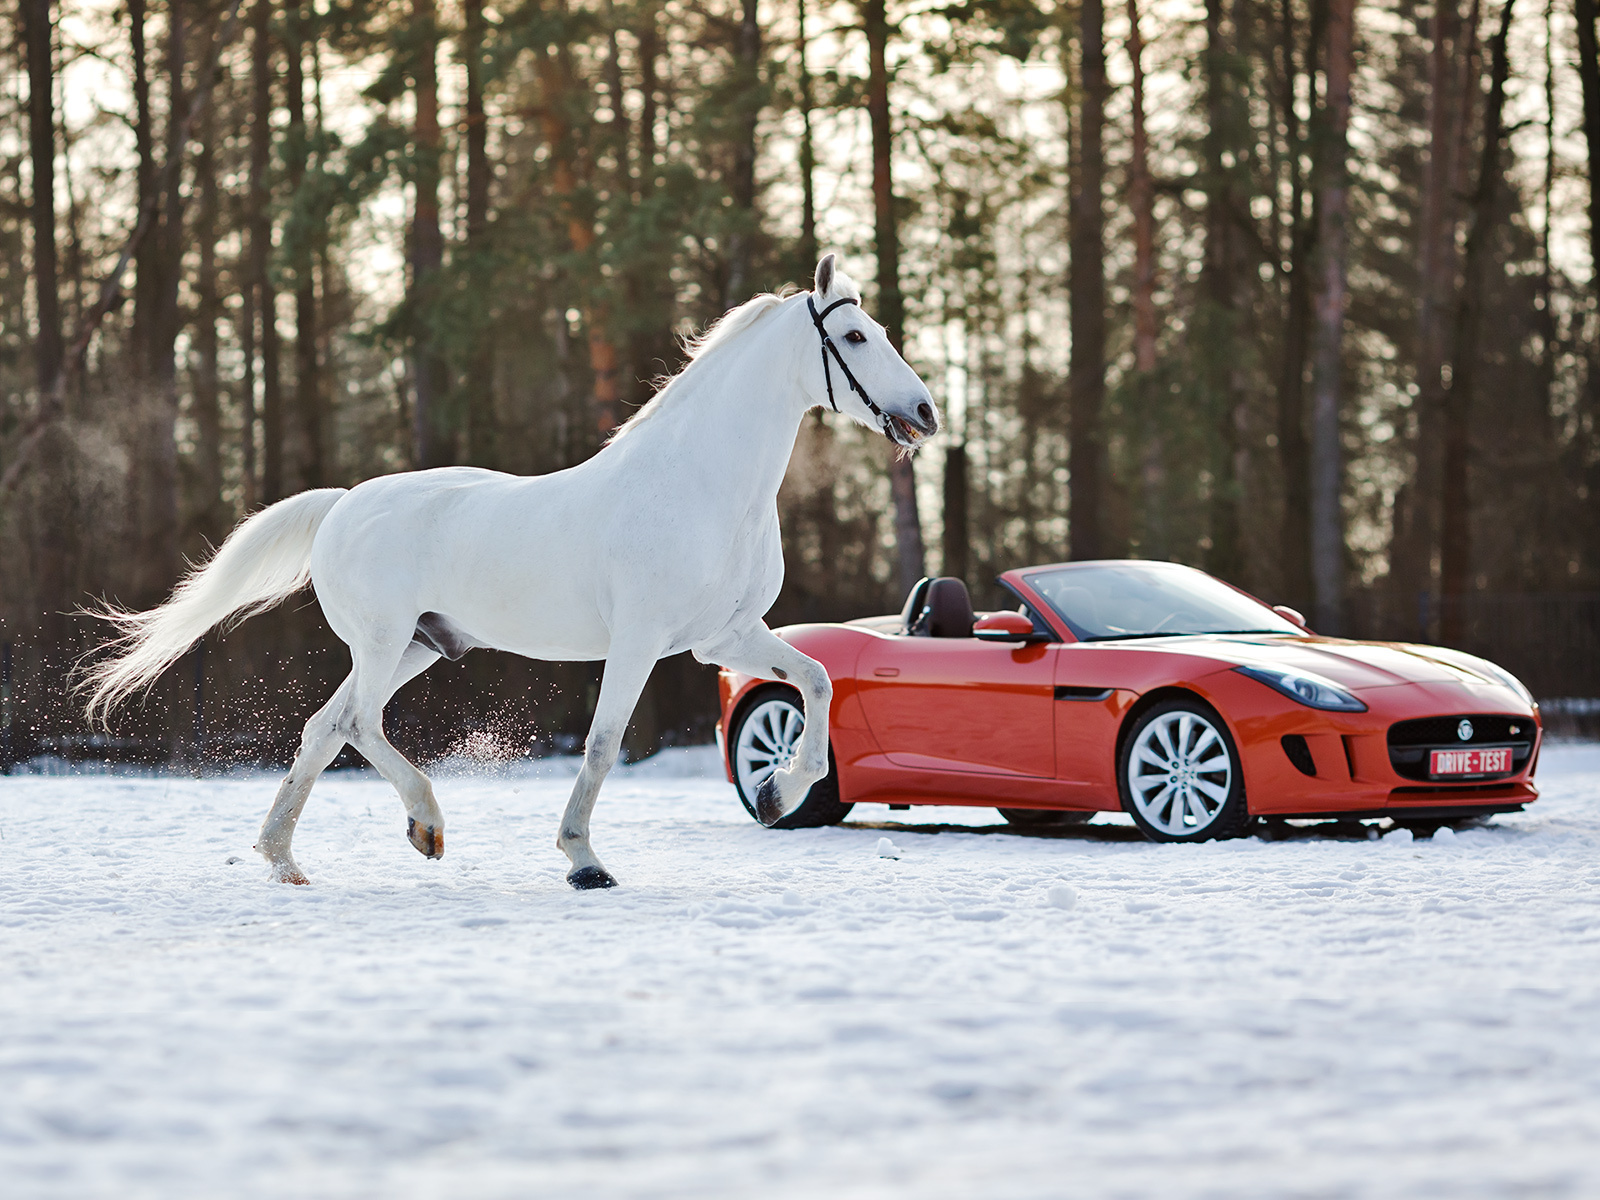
(925,411)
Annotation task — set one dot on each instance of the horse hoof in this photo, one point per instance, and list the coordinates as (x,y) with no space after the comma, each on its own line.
(429,840)
(588,878)
(290,875)
(769,809)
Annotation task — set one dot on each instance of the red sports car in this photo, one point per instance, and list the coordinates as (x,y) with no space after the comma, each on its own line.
(1143,687)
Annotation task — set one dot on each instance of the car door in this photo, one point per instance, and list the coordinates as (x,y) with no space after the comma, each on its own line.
(960,704)
(1091,697)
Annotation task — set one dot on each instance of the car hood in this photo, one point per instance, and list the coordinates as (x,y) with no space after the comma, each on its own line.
(1353,665)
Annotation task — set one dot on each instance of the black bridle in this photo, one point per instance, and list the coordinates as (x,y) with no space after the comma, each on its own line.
(827,371)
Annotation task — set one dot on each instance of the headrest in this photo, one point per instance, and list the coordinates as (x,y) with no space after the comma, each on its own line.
(939,608)
(951,614)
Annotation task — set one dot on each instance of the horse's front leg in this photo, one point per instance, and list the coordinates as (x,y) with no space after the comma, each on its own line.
(626,674)
(762,653)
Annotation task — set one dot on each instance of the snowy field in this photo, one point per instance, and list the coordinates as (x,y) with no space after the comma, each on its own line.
(760,1014)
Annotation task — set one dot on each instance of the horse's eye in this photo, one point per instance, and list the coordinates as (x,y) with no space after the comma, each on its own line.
(855,336)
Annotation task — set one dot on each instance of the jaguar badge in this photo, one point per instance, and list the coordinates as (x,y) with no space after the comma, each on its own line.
(1464,730)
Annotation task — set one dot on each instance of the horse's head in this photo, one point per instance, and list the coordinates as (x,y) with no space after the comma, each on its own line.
(860,373)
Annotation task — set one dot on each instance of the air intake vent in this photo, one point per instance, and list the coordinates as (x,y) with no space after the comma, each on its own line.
(1299,754)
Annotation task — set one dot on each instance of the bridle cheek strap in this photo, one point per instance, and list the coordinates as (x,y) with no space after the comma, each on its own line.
(828,348)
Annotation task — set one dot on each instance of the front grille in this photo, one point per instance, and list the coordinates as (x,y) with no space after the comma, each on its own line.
(1411,741)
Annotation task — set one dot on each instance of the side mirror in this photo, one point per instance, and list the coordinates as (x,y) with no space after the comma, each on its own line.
(1003,627)
(1291,614)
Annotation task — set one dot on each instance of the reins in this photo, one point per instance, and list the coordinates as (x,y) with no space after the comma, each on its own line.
(827,371)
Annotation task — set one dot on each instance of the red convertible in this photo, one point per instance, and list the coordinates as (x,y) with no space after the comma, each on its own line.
(1142,687)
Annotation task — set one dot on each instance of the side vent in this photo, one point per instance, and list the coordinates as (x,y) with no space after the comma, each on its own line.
(1349,753)
(1299,753)
(1082,693)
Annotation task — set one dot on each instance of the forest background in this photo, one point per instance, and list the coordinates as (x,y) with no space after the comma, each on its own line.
(1300,291)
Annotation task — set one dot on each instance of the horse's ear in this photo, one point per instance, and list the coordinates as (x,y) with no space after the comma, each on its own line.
(824,279)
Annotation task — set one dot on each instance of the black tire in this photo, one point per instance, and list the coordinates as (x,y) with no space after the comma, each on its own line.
(822,805)
(1044,818)
(1201,797)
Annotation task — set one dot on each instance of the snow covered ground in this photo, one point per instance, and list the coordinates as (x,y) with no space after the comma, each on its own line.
(760,1014)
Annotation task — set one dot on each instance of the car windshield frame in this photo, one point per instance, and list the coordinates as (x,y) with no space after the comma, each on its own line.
(1216,608)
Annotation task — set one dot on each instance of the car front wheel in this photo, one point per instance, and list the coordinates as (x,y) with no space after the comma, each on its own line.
(1179,776)
(765,735)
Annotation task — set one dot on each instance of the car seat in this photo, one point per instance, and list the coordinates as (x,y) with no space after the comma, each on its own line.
(945,609)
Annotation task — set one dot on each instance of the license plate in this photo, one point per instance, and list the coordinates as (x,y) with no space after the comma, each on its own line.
(1492,761)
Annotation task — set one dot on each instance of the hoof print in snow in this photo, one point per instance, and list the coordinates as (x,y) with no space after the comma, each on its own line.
(586,879)
(769,809)
(426,839)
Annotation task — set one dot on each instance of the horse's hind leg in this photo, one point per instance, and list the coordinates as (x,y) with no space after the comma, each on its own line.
(319,745)
(363,728)
(625,677)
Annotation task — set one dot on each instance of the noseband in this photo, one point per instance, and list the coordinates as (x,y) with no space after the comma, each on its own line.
(827,371)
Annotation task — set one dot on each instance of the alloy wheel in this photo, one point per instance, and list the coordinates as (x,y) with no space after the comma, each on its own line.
(767,740)
(1179,773)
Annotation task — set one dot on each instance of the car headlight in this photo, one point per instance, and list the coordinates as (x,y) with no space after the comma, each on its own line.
(1310,690)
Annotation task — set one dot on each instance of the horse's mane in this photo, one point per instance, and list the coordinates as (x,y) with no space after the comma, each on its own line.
(701,347)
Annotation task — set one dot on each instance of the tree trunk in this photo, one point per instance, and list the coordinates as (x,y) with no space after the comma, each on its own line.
(77,277)
(1455,543)
(1294,455)
(477,130)
(147,259)
(307,367)
(1589,72)
(428,440)
(1141,200)
(48,347)
(743,184)
(1411,557)
(480,367)
(649,50)
(1215,332)
(554,83)
(891,303)
(808,155)
(1087,290)
(652,349)
(168,236)
(265,294)
(957,543)
(210,521)
(157,319)
(1327,458)
(52,550)
(1588,11)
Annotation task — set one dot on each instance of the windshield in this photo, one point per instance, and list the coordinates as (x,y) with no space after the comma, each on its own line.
(1103,601)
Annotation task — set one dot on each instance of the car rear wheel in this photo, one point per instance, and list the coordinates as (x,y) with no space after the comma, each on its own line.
(764,738)
(1179,775)
(1043,818)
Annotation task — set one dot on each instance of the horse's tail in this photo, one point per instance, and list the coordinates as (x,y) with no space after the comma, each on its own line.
(264,561)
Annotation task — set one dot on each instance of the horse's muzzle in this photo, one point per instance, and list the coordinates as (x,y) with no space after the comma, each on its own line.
(912,429)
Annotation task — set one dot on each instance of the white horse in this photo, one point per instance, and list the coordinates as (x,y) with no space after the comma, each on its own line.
(667,540)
